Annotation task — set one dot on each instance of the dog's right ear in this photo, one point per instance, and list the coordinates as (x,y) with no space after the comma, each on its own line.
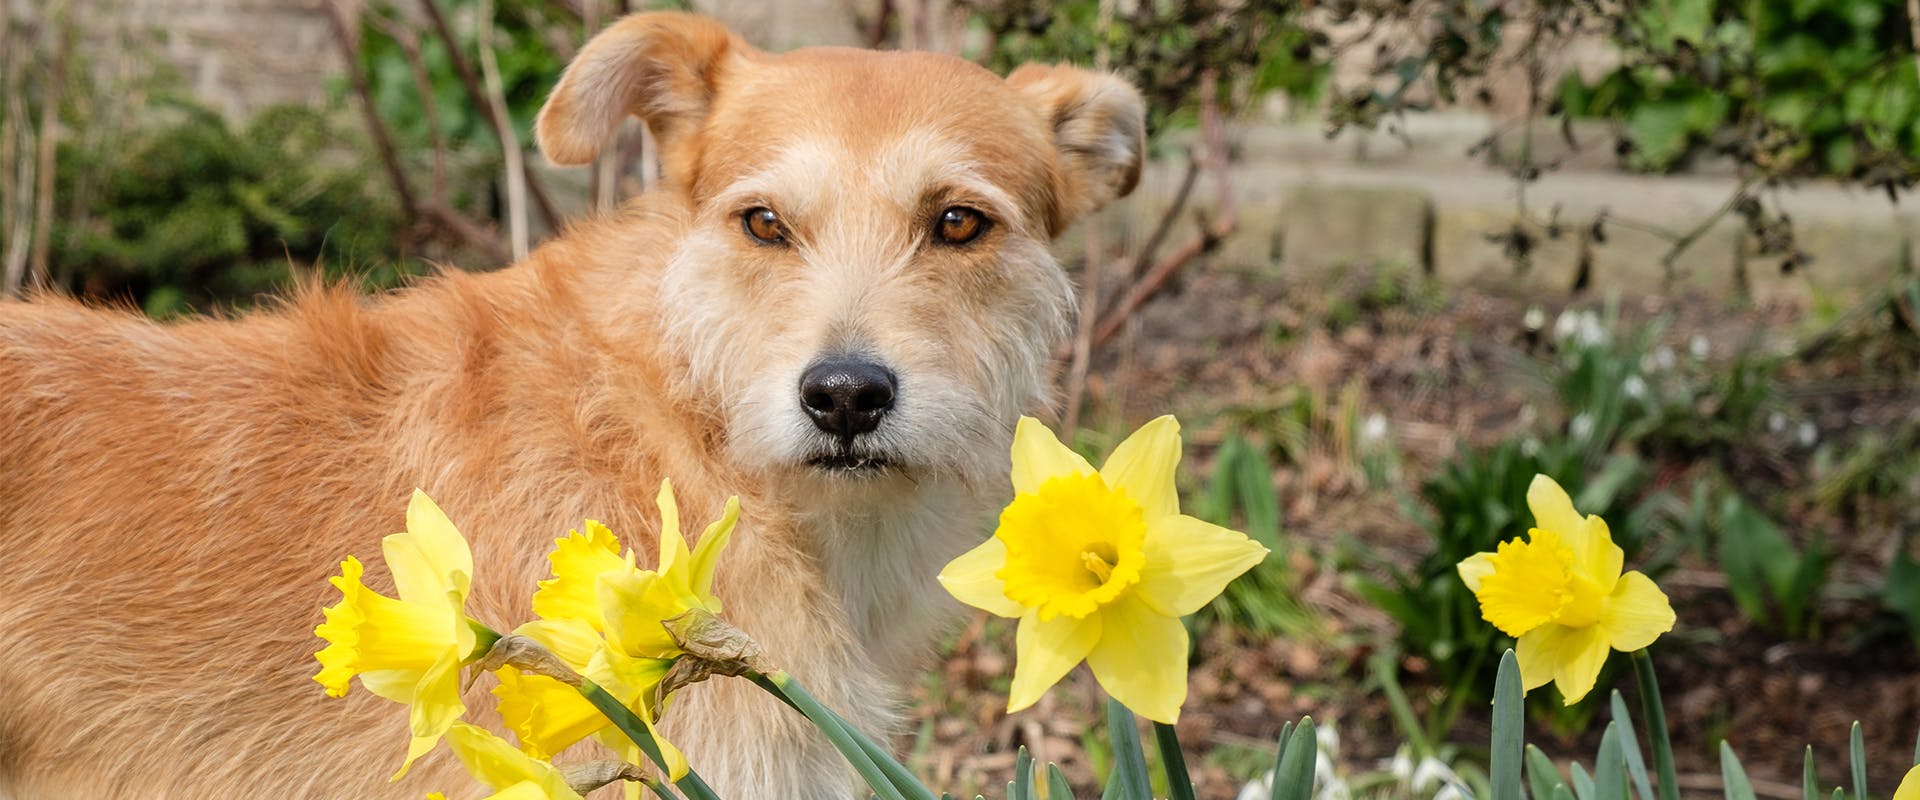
(658,66)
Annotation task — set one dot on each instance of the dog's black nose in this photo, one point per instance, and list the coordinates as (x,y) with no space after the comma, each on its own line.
(847,396)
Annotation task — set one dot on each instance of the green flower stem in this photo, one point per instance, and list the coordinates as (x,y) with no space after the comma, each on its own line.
(1179,782)
(659,789)
(483,638)
(636,730)
(1656,714)
(882,781)
(903,779)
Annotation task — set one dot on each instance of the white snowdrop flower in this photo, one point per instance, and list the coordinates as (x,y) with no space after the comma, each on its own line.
(1451,791)
(1328,740)
(1374,428)
(1592,333)
(1663,358)
(1581,426)
(1776,422)
(1808,434)
(1699,347)
(1534,319)
(1635,387)
(1400,766)
(1259,788)
(1566,325)
(1432,775)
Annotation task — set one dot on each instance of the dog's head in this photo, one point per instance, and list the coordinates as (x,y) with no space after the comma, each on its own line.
(865,287)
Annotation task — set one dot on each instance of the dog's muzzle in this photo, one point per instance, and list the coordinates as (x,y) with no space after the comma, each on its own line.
(846,397)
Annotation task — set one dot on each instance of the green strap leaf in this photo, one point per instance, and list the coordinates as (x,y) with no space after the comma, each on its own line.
(1610,766)
(1509,724)
(1542,775)
(1630,743)
(1656,712)
(1022,786)
(1129,780)
(1173,762)
(1057,787)
(1857,749)
(1809,783)
(1733,776)
(1293,775)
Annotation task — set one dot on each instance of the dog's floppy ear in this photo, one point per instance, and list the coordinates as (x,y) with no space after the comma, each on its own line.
(658,66)
(1099,125)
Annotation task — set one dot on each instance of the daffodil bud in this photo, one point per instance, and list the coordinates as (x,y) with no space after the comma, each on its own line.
(591,775)
(704,636)
(524,654)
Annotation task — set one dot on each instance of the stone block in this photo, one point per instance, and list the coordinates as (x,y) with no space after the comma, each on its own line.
(1469,248)
(1323,227)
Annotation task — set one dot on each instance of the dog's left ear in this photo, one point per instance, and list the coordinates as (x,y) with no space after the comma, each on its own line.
(1100,127)
(660,66)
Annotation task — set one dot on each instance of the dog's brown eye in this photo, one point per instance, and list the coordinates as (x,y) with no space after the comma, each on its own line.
(763,225)
(960,225)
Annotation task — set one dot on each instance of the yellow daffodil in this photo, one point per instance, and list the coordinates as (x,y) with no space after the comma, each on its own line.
(596,591)
(1562,594)
(408,650)
(512,774)
(1909,786)
(1100,565)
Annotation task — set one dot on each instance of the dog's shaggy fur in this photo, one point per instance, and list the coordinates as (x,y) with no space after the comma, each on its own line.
(173,497)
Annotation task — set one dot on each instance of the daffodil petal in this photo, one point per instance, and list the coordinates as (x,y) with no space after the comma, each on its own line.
(706,554)
(1143,467)
(1038,456)
(573,640)
(630,600)
(490,759)
(673,545)
(525,790)
(577,560)
(971,579)
(431,557)
(1190,561)
(1552,508)
(1141,659)
(435,707)
(676,761)
(1909,786)
(1044,651)
(1571,657)
(1475,568)
(1594,553)
(1636,613)
(546,715)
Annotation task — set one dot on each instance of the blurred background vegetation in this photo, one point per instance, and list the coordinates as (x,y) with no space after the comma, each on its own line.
(1369,423)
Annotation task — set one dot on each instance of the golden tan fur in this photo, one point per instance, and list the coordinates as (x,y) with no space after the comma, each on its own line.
(173,497)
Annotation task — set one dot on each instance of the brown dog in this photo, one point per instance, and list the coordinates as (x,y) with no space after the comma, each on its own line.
(834,307)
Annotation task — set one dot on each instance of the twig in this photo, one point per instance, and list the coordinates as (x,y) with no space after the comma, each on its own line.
(1095,272)
(60,30)
(9,138)
(502,127)
(1143,261)
(509,141)
(409,41)
(1213,134)
(377,128)
(466,230)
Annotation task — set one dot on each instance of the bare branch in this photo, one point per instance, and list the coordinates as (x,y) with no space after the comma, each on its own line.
(59,29)
(509,141)
(502,126)
(377,128)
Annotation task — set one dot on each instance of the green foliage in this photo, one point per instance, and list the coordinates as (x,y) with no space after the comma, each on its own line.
(1240,495)
(524,43)
(192,213)
(1164,48)
(1801,87)
(1772,583)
